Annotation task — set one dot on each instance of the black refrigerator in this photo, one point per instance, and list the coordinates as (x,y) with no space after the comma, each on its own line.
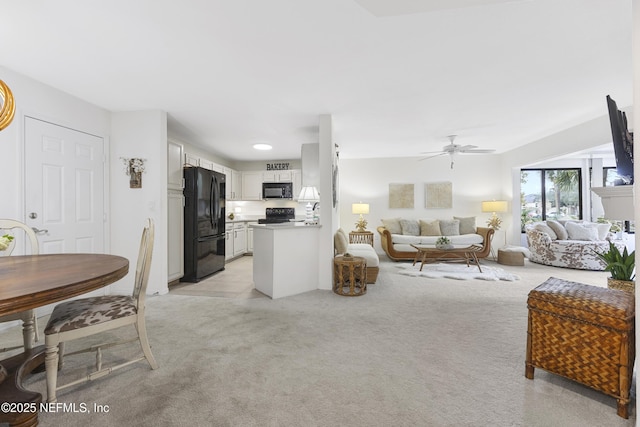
(204,223)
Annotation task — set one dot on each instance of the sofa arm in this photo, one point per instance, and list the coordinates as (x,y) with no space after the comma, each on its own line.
(487,236)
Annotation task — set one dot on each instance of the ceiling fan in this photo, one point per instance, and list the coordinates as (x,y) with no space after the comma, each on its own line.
(452,149)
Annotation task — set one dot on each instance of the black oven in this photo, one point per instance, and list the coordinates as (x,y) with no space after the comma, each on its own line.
(277,190)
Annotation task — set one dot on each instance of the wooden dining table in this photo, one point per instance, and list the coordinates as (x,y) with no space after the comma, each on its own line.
(28,282)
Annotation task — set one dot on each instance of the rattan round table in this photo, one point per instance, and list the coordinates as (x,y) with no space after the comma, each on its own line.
(349,276)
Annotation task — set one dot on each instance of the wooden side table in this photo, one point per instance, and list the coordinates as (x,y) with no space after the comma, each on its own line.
(361,237)
(349,276)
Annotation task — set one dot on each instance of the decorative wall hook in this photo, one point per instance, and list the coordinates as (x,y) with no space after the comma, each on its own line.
(134,167)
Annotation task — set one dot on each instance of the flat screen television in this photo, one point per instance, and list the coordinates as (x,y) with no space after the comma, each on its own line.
(622,143)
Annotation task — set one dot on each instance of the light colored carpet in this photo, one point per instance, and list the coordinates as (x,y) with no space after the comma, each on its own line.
(456,271)
(413,351)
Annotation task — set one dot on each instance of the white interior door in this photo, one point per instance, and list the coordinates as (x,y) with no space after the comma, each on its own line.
(64,187)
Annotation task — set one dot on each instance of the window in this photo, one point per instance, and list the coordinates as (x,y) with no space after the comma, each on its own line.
(550,194)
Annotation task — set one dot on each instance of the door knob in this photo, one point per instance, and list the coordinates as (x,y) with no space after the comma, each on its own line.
(38,231)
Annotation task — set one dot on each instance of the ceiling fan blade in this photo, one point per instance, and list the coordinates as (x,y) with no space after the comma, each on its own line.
(431,157)
(477,151)
(464,148)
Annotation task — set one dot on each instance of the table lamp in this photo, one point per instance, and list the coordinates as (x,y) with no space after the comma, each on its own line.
(360,208)
(309,195)
(494,206)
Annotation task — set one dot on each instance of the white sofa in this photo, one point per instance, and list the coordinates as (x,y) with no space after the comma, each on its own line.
(397,235)
(569,244)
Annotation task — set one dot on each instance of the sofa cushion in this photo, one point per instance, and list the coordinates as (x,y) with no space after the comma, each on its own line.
(365,251)
(541,226)
(393,225)
(410,227)
(467,225)
(561,232)
(450,227)
(582,231)
(430,228)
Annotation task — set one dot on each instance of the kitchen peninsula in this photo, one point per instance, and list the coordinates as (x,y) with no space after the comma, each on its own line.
(285,258)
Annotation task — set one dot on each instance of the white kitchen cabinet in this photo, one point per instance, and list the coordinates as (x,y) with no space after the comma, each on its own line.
(233,184)
(207,164)
(250,237)
(251,186)
(174,166)
(296,178)
(239,238)
(191,160)
(277,176)
(228,242)
(175,235)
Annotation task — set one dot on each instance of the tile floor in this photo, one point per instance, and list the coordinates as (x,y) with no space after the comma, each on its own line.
(235,281)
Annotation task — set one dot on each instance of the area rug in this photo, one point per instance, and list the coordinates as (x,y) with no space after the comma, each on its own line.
(456,271)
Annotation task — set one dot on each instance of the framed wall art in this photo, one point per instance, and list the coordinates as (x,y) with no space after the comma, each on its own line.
(401,196)
(438,195)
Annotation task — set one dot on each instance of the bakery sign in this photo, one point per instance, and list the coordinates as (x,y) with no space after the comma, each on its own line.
(277,166)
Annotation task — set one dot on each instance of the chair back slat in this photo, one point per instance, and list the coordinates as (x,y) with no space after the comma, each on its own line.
(10,225)
(143,265)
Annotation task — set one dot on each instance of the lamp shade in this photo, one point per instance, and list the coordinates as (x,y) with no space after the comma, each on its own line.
(309,194)
(494,206)
(360,208)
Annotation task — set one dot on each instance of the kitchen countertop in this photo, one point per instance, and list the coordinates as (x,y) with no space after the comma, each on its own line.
(282,225)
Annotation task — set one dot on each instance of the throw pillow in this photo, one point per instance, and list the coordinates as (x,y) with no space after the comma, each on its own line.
(541,226)
(340,242)
(393,225)
(450,227)
(410,227)
(467,225)
(581,232)
(603,230)
(430,228)
(559,229)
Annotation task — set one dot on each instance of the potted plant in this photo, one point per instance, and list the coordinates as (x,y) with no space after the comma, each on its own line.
(443,243)
(621,266)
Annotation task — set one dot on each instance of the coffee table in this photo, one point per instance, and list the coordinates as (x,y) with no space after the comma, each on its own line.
(468,254)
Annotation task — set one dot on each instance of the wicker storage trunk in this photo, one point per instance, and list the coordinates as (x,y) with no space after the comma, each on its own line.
(584,333)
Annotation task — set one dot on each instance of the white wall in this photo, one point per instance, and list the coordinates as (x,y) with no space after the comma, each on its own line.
(37,100)
(132,134)
(474,179)
(140,134)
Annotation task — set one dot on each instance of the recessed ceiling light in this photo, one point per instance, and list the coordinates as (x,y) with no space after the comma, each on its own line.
(262,147)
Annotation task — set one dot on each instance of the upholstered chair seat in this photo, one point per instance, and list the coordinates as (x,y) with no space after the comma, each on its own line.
(85,312)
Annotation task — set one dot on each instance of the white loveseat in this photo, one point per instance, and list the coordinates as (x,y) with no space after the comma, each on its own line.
(569,244)
(341,246)
(398,234)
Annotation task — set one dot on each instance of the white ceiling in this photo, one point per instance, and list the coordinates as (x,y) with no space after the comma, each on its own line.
(398,76)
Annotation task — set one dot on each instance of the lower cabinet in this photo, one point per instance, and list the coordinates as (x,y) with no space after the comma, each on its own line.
(228,242)
(250,237)
(175,245)
(239,238)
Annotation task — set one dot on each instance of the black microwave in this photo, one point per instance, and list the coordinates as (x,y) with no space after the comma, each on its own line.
(277,190)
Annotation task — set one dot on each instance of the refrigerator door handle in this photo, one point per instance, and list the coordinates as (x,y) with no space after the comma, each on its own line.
(212,204)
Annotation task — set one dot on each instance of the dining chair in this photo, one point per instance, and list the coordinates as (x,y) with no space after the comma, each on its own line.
(84,317)
(28,318)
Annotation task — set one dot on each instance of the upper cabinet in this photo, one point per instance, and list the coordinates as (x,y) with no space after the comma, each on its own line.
(233,184)
(204,163)
(251,185)
(174,166)
(277,176)
(191,160)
